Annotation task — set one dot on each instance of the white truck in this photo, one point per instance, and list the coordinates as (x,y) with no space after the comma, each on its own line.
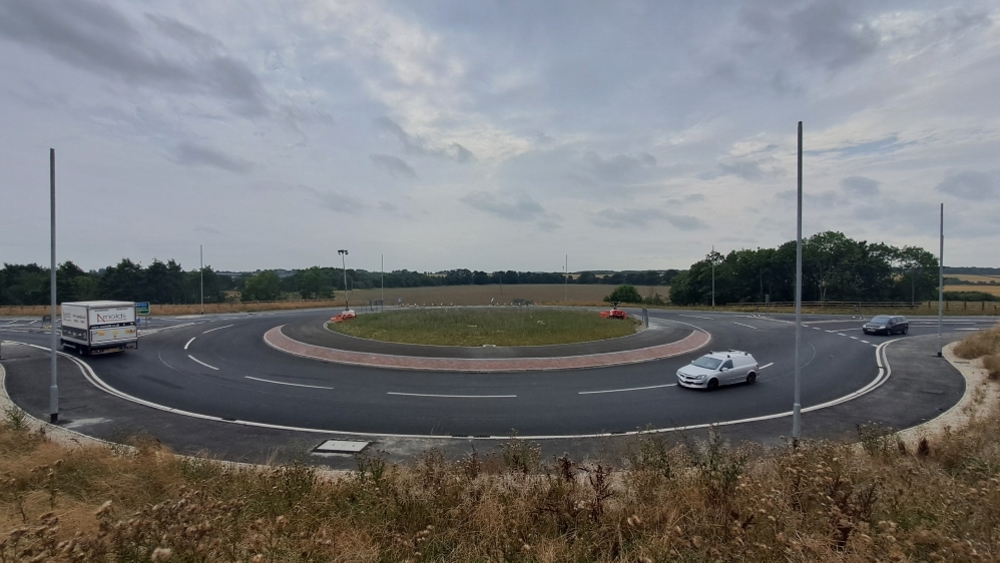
(99,327)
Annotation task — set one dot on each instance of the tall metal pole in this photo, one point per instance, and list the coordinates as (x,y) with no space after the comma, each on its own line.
(343,262)
(201,264)
(941,284)
(54,384)
(566,281)
(713,275)
(383,283)
(797,405)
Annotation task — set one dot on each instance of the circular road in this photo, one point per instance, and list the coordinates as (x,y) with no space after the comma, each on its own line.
(221,368)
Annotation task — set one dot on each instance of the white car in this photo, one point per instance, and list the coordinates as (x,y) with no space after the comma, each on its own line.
(719,368)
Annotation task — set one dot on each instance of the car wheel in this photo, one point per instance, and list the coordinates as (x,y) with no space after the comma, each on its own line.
(713,384)
(906,330)
(751,377)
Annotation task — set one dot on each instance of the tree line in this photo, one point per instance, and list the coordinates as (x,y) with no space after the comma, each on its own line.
(834,268)
(168,283)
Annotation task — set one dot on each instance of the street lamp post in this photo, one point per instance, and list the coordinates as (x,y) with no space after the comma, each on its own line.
(343,262)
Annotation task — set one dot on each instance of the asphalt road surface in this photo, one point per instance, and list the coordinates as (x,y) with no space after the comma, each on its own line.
(220,367)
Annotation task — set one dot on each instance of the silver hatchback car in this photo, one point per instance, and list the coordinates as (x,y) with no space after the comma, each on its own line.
(719,368)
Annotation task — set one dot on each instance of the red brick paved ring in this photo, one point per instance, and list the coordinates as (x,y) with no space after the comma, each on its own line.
(277,339)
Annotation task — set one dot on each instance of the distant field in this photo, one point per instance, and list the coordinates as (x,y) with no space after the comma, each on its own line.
(446,295)
(973,278)
(485,294)
(991,289)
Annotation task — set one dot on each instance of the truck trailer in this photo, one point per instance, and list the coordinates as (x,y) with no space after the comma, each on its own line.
(99,327)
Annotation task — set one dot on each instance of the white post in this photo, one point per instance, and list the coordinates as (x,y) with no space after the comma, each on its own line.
(566,281)
(383,284)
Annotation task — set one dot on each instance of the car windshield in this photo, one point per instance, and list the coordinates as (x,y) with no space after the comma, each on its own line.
(706,362)
(881,319)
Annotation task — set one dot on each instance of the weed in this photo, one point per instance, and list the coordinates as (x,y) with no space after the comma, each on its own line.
(15,418)
(879,440)
(520,455)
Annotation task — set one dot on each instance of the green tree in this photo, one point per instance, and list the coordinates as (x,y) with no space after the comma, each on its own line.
(624,294)
(263,286)
(314,283)
(122,282)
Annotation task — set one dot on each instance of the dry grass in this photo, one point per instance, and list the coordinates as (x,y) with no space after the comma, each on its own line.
(651,501)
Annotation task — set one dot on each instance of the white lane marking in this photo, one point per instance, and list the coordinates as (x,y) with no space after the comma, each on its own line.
(32,322)
(216,328)
(287,383)
(875,345)
(697,317)
(818,328)
(189,342)
(451,396)
(765,366)
(629,389)
(748,326)
(972,329)
(854,338)
(866,342)
(203,363)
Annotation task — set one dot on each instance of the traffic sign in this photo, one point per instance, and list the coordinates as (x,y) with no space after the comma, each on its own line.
(142,308)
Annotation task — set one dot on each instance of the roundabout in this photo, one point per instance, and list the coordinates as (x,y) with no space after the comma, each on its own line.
(229,375)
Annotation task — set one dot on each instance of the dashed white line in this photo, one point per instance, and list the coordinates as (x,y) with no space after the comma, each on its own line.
(203,363)
(189,342)
(855,338)
(628,389)
(216,328)
(748,326)
(866,342)
(765,366)
(287,383)
(841,334)
(697,317)
(452,396)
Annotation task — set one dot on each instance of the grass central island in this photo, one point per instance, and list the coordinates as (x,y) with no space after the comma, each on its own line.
(486,326)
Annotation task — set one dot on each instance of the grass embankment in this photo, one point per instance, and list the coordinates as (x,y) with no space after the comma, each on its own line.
(651,502)
(521,326)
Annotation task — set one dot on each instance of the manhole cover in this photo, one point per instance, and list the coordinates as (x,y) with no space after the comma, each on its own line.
(340,447)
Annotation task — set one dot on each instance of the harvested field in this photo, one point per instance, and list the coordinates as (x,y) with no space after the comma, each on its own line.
(540,294)
(990,289)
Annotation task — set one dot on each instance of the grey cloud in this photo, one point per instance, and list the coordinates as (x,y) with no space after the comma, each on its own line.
(416,145)
(750,170)
(190,154)
(620,167)
(642,217)
(689,198)
(824,32)
(825,199)
(887,145)
(208,229)
(185,34)
(524,209)
(337,202)
(859,185)
(393,165)
(98,39)
(970,184)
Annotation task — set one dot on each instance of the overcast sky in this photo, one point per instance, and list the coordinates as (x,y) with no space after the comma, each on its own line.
(493,135)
